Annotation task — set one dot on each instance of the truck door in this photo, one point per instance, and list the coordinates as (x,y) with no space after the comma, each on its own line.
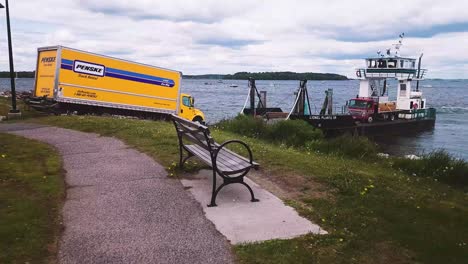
(186,108)
(45,73)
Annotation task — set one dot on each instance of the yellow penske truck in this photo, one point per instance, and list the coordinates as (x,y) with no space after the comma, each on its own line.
(70,80)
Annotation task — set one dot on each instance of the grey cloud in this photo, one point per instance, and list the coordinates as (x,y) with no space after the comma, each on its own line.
(142,15)
(229,43)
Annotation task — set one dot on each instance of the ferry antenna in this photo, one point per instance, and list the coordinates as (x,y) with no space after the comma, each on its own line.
(399,44)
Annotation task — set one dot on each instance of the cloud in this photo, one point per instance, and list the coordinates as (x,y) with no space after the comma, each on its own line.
(208,36)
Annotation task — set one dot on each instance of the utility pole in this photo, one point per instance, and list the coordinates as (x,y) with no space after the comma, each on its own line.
(13,110)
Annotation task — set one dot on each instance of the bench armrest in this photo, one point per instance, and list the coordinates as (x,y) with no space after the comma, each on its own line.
(238,142)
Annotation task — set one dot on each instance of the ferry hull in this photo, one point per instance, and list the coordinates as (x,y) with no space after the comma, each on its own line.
(397,127)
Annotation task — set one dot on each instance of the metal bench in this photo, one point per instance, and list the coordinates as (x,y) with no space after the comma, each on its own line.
(195,139)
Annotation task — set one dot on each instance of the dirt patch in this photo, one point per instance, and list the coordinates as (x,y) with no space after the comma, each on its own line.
(288,185)
(386,252)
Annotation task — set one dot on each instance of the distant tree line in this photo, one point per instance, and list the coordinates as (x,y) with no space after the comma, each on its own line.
(285,76)
(21,74)
(270,76)
(235,76)
(204,76)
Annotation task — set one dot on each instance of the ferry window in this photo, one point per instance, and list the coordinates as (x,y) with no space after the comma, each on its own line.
(401,63)
(392,63)
(186,101)
(371,63)
(402,89)
(413,64)
(382,64)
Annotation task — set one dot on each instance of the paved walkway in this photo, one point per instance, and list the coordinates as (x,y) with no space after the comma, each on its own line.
(120,206)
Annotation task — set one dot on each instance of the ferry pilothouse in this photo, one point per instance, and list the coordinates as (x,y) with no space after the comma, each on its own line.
(371,112)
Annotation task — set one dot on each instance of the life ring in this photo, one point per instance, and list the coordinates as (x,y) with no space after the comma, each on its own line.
(358,74)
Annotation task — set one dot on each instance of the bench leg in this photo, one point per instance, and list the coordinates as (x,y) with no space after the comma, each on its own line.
(181,153)
(182,160)
(213,196)
(186,158)
(214,191)
(251,192)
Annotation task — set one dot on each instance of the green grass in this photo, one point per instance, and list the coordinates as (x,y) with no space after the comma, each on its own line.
(26,112)
(31,193)
(373,212)
(438,165)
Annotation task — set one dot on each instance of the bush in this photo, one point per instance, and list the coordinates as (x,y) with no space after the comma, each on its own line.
(289,132)
(350,146)
(245,125)
(293,133)
(439,165)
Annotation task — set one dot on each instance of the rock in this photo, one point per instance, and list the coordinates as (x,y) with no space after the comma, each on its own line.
(383,155)
(412,157)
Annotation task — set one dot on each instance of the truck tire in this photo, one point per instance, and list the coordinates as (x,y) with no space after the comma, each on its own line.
(198,119)
(370,119)
(392,117)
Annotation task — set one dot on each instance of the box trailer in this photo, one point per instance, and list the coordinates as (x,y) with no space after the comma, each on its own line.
(74,80)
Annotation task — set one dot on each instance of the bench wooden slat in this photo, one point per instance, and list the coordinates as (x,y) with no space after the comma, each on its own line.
(234,160)
(224,163)
(239,156)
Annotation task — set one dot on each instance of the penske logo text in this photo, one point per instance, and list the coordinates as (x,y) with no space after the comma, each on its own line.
(48,59)
(89,68)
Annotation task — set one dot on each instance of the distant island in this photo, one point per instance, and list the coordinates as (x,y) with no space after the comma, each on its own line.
(270,76)
(21,74)
(235,76)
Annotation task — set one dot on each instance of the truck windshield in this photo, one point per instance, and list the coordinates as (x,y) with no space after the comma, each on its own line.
(357,104)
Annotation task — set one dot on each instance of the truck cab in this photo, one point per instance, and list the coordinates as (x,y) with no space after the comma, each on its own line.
(362,109)
(188,111)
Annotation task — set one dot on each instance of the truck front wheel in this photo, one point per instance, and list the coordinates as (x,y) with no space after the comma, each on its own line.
(198,119)
(370,119)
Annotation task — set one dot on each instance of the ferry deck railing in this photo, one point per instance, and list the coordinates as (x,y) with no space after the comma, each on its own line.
(363,73)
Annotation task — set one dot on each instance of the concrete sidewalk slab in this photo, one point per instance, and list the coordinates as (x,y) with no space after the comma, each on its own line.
(242,221)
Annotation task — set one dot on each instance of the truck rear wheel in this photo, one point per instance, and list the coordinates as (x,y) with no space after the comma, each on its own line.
(392,117)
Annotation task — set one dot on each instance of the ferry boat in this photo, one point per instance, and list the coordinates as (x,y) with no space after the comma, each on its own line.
(370,112)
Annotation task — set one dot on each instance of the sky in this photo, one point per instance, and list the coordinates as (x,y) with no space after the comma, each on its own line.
(213,36)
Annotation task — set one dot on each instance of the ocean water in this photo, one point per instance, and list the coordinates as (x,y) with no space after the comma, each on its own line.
(450,97)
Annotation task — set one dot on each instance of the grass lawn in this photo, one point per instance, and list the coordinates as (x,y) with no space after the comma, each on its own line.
(26,112)
(374,213)
(31,195)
